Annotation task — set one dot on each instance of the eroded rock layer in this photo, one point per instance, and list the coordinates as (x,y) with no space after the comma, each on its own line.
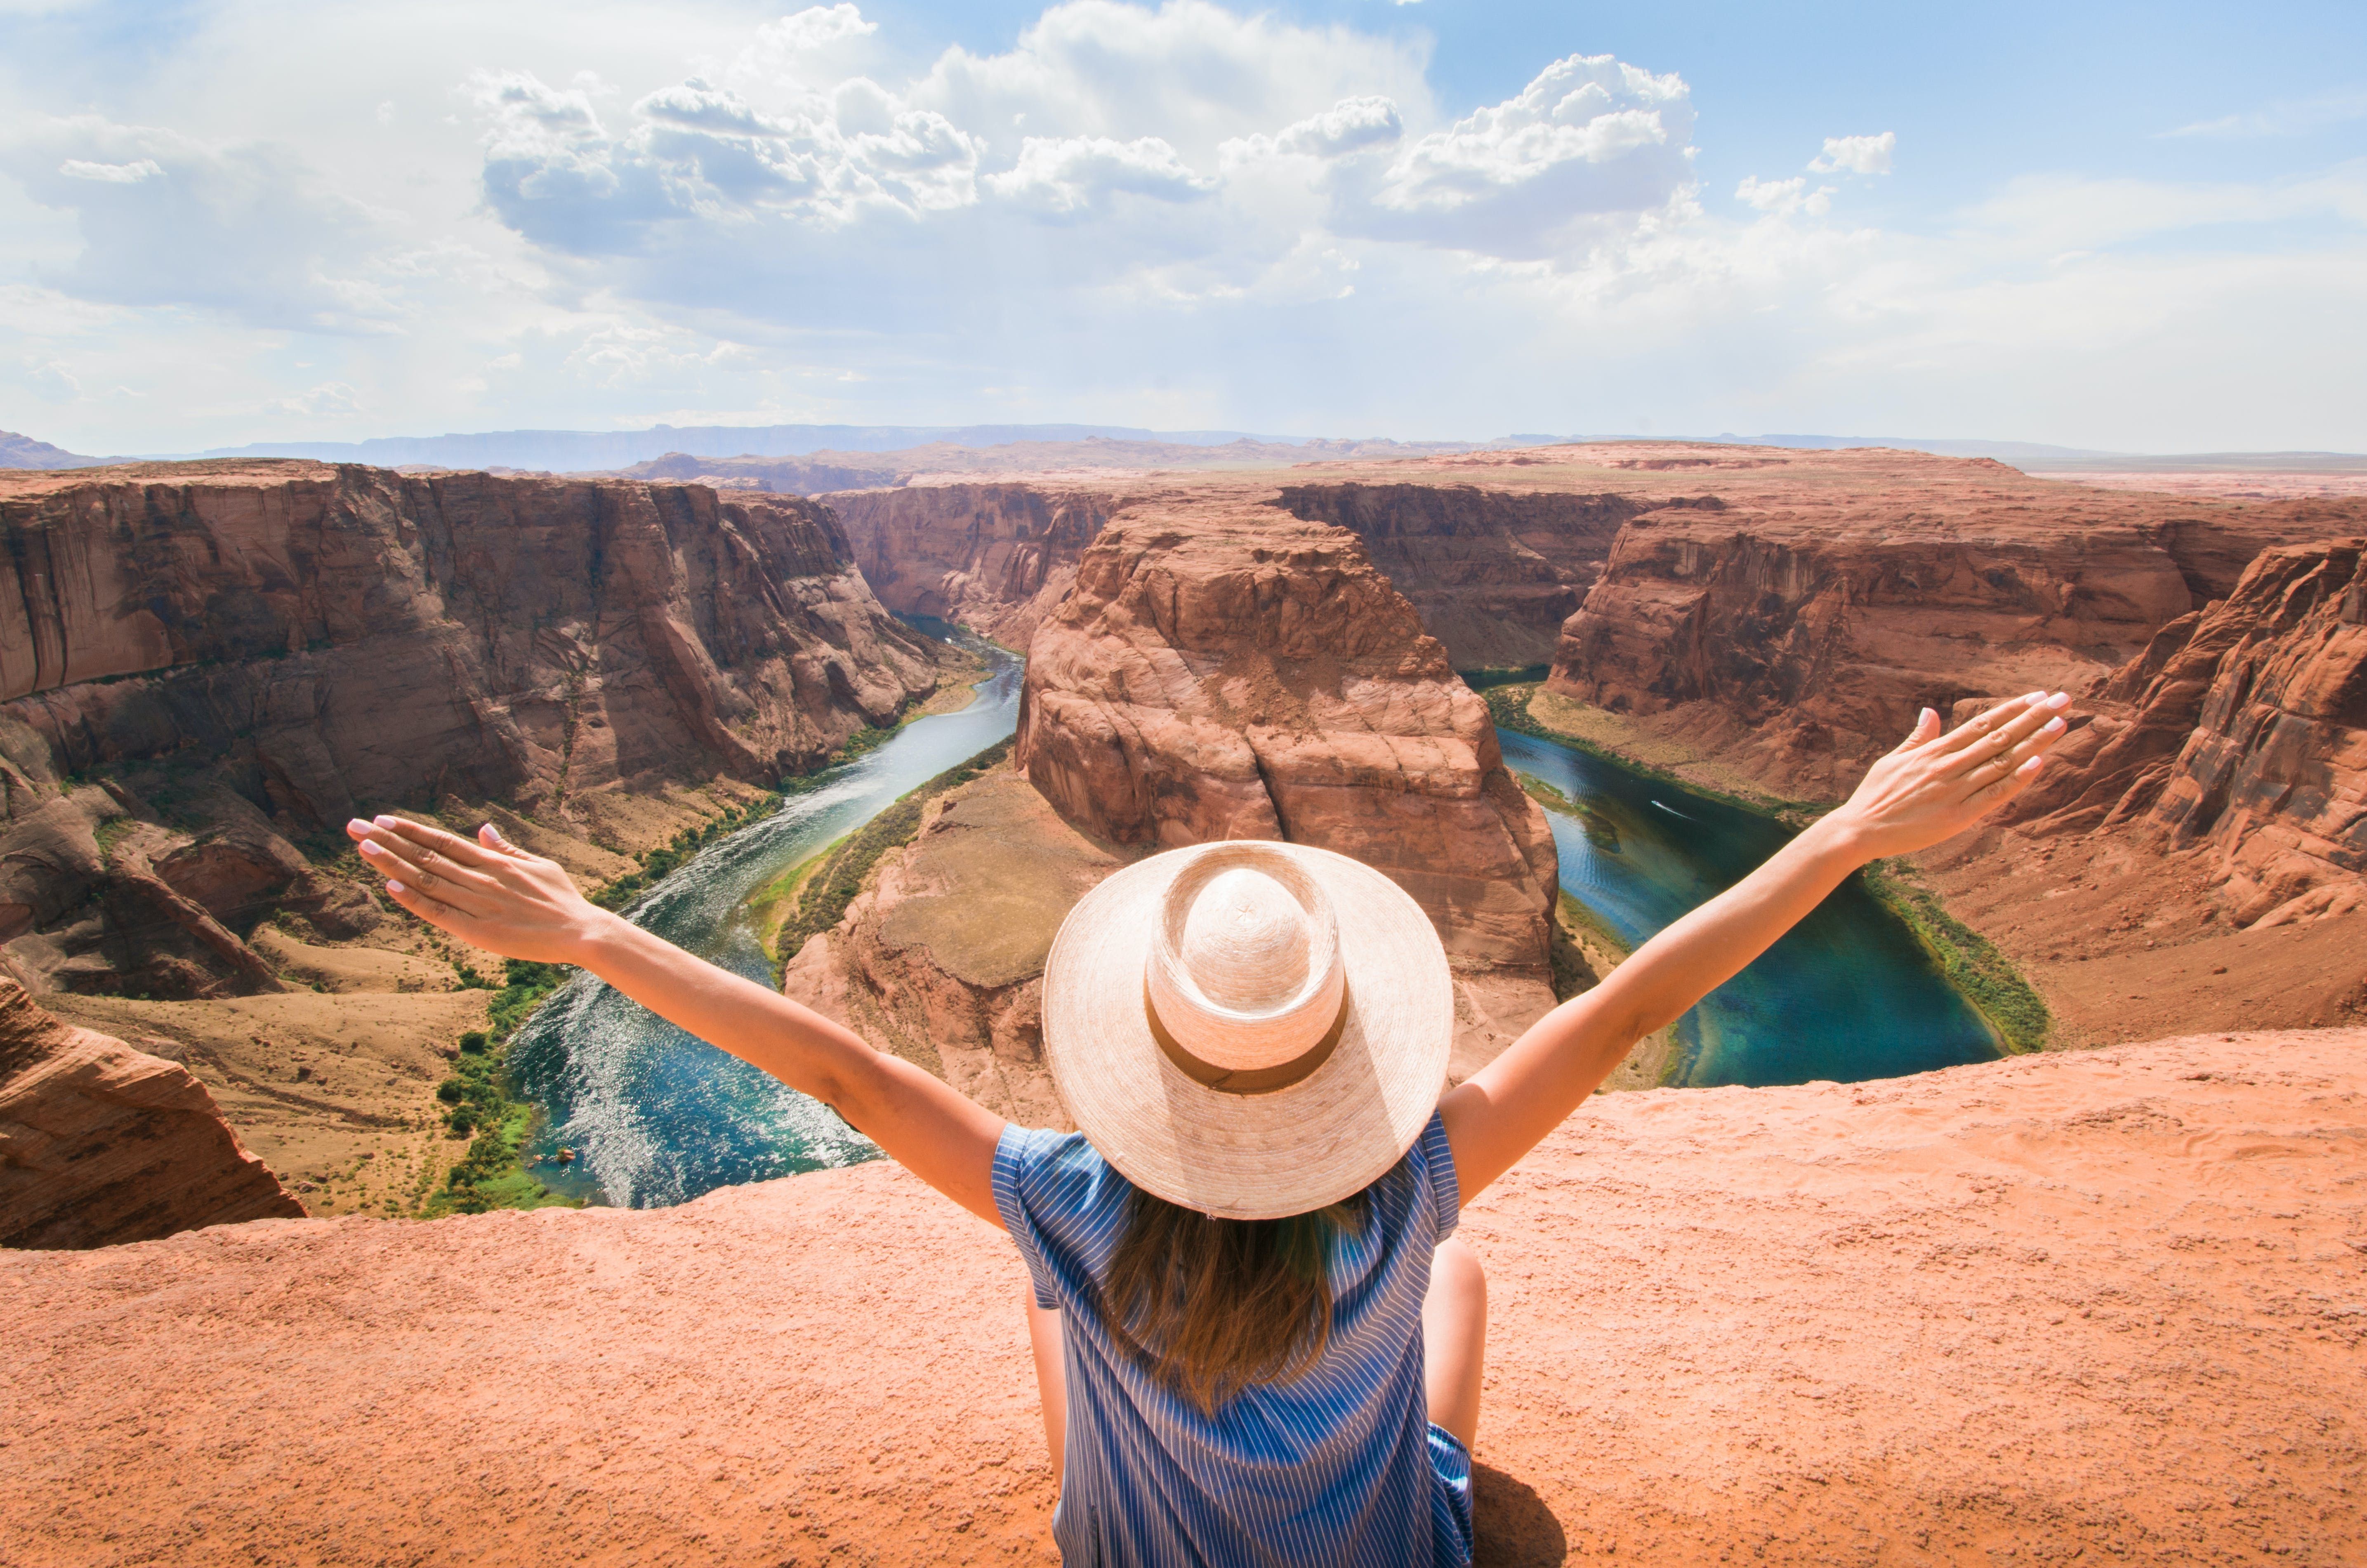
(100,1143)
(1972,1313)
(1234,673)
(995,558)
(2242,726)
(1808,636)
(1495,573)
(246,654)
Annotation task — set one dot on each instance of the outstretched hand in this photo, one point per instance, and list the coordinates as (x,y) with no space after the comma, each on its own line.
(1934,786)
(486,892)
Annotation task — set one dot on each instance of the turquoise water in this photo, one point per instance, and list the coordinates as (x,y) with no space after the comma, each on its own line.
(1848,994)
(658,1117)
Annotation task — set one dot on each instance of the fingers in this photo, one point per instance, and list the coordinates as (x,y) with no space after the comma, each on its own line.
(461,851)
(428,871)
(1988,723)
(490,837)
(2045,715)
(2015,780)
(435,910)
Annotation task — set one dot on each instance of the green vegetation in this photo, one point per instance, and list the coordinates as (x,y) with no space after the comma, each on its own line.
(110,833)
(1483,679)
(656,863)
(834,884)
(481,1101)
(1972,964)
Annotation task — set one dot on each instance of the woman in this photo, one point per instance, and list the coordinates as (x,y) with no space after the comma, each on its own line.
(1255,1339)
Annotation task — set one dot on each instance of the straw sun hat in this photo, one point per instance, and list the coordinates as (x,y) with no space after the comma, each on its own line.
(1250,1028)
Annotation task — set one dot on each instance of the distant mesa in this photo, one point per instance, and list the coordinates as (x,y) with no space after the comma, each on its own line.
(23,451)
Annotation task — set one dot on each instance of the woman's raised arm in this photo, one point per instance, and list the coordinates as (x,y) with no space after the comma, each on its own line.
(1931,788)
(495,895)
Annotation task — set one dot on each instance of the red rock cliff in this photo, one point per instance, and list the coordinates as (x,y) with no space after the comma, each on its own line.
(266,648)
(1801,636)
(1231,672)
(1495,573)
(2242,726)
(995,558)
(100,1143)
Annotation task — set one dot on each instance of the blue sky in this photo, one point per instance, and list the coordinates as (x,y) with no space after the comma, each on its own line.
(2135,227)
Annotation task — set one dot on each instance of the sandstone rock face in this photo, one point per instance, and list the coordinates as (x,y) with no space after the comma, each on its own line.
(1232,673)
(250,652)
(940,960)
(2242,726)
(995,558)
(1960,1314)
(1494,573)
(100,1143)
(1806,639)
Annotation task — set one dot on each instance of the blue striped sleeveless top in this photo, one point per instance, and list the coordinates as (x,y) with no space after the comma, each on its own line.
(1338,1467)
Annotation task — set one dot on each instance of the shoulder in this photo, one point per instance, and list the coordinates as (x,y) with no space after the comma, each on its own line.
(1041,1176)
(1420,1190)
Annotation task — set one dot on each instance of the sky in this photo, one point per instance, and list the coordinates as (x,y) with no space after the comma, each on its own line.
(2135,227)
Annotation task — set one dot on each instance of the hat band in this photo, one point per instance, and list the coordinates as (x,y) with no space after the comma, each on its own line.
(1247,1081)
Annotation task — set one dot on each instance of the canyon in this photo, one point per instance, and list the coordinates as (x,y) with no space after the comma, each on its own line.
(205,668)
(2107,1298)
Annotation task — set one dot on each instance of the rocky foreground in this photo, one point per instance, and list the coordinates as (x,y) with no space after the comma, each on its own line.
(2103,1306)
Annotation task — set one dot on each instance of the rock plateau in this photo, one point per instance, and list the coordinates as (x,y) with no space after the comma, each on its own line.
(2098,1306)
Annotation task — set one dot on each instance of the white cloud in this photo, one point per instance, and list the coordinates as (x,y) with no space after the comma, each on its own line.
(1785,197)
(1590,138)
(1857,154)
(816,26)
(49,381)
(1082,173)
(1173,214)
(131,172)
(2291,118)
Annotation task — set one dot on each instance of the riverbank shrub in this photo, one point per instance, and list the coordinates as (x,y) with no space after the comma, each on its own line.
(483,1106)
(1971,961)
(833,885)
(656,863)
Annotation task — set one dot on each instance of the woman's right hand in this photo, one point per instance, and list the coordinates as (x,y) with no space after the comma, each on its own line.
(488,893)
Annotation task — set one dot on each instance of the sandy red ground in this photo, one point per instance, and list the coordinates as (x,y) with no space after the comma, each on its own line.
(2106,1305)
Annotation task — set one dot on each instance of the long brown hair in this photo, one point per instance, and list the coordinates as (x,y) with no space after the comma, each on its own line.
(1213,1306)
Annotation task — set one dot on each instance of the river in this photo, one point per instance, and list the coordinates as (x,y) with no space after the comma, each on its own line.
(658,1117)
(1848,993)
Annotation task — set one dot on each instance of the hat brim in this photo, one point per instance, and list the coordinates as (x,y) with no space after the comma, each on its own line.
(1258,1155)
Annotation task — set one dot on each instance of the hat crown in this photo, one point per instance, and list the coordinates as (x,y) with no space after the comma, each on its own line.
(1245,941)
(1244,971)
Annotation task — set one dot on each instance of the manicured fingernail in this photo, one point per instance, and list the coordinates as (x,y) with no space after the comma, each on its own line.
(494,834)
(2034,697)
(370,848)
(2052,727)
(394,887)
(1928,717)
(355,825)
(2033,766)
(2060,699)
(385,822)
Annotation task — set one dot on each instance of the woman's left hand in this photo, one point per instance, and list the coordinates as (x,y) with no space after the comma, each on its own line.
(1934,786)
